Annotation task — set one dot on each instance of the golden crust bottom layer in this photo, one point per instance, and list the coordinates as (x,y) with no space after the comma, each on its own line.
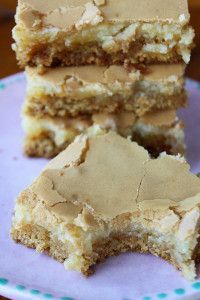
(42,146)
(61,107)
(36,237)
(53,55)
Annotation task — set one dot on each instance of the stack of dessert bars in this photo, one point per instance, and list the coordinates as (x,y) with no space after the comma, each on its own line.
(101,65)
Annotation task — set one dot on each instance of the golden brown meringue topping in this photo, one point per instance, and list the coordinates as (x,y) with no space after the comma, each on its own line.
(113,176)
(107,75)
(65,13)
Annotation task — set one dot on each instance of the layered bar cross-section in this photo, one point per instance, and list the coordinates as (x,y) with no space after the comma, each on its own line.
(107,32)
(105,195)
(72,91)
(157,132)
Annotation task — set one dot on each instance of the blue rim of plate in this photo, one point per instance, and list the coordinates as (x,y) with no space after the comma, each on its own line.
(179,293)
(5,284)
(7,81)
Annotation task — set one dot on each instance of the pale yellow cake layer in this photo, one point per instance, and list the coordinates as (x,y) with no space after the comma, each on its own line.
(104,195)
(71,91)
(157,132)
(69,32)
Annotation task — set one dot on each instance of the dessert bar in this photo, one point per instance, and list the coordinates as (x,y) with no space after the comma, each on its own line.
(159,131)
(104,195)
(107,32)
(71,91)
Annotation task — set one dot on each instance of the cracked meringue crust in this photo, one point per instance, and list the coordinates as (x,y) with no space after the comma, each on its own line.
(68,33)
(105,195)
